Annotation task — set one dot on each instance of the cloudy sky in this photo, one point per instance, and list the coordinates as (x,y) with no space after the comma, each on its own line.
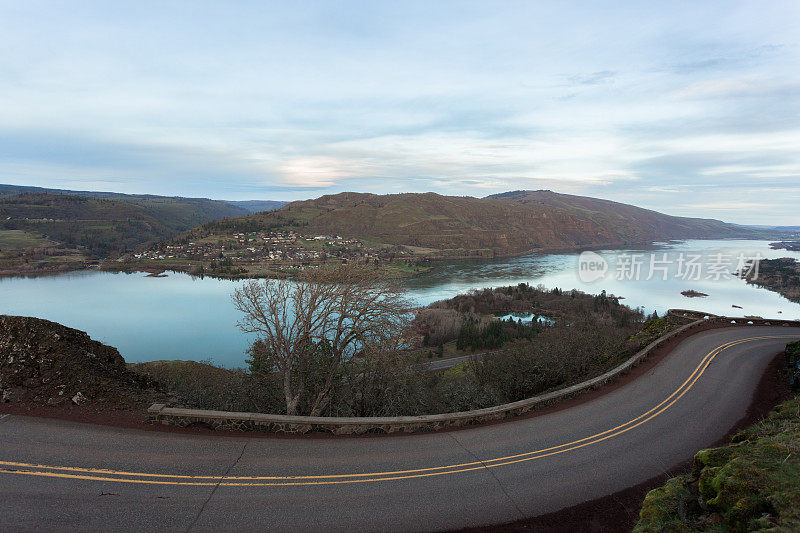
(691,108)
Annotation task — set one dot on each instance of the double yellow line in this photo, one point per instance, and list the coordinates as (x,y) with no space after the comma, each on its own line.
(99,474)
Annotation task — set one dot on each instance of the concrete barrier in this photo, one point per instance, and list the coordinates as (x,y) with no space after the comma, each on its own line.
(687,314)
(222,420)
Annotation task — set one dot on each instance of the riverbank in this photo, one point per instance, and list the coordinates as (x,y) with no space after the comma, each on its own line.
(778,275)
(417,262)
(252,271)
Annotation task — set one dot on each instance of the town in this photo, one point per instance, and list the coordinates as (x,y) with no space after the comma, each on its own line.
(263,254)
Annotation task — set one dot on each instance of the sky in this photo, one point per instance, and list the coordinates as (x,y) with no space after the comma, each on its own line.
(689,108)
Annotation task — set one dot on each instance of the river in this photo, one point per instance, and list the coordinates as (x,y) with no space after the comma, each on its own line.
(180,317)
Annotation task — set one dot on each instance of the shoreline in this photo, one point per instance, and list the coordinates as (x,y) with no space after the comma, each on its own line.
(105,266)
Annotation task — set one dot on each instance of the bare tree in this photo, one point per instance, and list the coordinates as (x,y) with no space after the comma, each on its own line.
(310,327)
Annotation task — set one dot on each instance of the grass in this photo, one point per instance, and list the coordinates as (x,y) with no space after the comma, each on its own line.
(16,239)
(749,485)
(207,386)
(406,268)
(402,270)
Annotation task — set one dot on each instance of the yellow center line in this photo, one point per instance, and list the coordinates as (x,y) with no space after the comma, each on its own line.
(140,474)
(19,468)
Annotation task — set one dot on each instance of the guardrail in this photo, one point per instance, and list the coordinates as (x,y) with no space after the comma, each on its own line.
(221,420)
(688,314)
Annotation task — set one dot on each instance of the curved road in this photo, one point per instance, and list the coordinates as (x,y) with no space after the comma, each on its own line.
(59,475)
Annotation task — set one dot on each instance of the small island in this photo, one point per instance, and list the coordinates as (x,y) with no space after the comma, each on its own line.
(693,294)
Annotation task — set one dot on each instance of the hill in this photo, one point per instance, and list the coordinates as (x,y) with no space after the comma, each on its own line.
(504,224)
(213,209)
(47,231)
(57,230)
(176,212)
(628,221)
(54,230)
(102,225)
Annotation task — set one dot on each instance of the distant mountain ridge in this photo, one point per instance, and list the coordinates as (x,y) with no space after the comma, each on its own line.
(647,224)
(779,228)
(216,208)
(507,223)
(432,224)
(257,206)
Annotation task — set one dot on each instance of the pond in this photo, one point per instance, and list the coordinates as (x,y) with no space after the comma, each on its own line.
(526,318)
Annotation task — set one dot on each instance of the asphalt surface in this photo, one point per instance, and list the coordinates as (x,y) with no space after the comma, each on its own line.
(444,364)
(57,475)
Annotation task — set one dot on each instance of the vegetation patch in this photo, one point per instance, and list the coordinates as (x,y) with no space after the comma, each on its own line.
(778,275)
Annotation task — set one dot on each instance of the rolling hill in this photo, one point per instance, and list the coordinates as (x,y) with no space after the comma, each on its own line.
(99,225)
(106,222)
(508,223)
(175,212)
(630,223)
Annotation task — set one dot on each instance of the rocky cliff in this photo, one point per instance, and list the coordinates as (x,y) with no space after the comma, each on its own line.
(46,363)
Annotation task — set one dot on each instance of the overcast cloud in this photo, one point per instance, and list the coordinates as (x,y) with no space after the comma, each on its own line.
(691,108)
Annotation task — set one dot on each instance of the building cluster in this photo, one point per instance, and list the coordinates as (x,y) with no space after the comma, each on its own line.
(274,246)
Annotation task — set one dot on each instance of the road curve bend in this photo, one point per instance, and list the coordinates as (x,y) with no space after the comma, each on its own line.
(64,475)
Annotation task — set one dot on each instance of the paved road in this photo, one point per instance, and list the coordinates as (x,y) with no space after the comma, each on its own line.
(444,364)
(62,475)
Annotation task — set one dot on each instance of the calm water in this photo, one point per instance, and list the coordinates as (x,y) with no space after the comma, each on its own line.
(179,317)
